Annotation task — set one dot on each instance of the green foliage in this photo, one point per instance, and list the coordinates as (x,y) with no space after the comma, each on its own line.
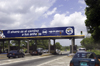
(89,43)
(5,44)
(97,52)
(14,42)
(42,44)
(23,44)
(31,42)
(93,18)
(65,47)
(58,46)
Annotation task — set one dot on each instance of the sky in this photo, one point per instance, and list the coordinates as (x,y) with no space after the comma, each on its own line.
(26,14)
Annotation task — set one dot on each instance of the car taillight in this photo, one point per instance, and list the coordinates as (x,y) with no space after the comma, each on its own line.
(35,52)
(71,64)
(96,64)
(13,54)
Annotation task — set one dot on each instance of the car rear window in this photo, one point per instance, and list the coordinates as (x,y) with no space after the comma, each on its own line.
(84,55)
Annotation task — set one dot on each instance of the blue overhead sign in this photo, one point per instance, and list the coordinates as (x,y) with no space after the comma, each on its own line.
(56,31)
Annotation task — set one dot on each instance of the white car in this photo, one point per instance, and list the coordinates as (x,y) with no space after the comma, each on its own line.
(82,49)
(45,51)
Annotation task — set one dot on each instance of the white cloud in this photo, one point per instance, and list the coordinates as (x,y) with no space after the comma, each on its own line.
(41,9)
(50,12)
(22,13)
(75,19)
(43,26)
(67,12)
(81,1)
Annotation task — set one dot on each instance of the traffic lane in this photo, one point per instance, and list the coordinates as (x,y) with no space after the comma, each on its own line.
(34,62)
(19,59)
(62,61)
(4,57)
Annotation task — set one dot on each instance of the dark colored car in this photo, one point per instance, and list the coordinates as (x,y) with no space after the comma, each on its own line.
(84,59)
(15,54)
(37,52)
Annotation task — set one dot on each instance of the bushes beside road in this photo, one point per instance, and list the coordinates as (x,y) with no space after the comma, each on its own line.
(97,52)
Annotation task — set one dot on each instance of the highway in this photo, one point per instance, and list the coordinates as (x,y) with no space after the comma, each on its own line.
(35,60)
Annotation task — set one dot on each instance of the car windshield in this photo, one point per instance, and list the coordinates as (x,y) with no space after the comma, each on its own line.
(84,55)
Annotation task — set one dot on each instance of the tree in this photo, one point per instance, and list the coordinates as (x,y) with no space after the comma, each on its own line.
(65,47)
(58,46)
(93,18)
(24,43)
(42,44)
(5,44)
(89,43)
(14,42)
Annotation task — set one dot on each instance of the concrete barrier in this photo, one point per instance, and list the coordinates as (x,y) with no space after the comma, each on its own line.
(71,55)
(3,56)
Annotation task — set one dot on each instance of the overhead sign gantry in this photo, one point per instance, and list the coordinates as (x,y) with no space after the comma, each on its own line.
(40,33)
(21,33)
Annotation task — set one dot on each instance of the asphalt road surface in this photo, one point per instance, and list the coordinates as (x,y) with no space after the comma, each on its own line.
(34,60)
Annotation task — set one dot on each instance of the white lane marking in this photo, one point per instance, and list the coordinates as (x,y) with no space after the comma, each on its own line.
(50,61)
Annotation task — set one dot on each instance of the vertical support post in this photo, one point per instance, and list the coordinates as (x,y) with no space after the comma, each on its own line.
(49,46)
(73,43)
(18,44)
(54,45)
(3,46)
(27,46)
(36,44)
(8,45)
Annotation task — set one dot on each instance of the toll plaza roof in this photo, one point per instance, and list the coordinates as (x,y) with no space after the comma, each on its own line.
(46,37)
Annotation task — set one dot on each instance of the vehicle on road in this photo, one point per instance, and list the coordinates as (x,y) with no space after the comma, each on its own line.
(36,52)
(57,51)
(15,54)
(84,59)
(45,51)
(82,49)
